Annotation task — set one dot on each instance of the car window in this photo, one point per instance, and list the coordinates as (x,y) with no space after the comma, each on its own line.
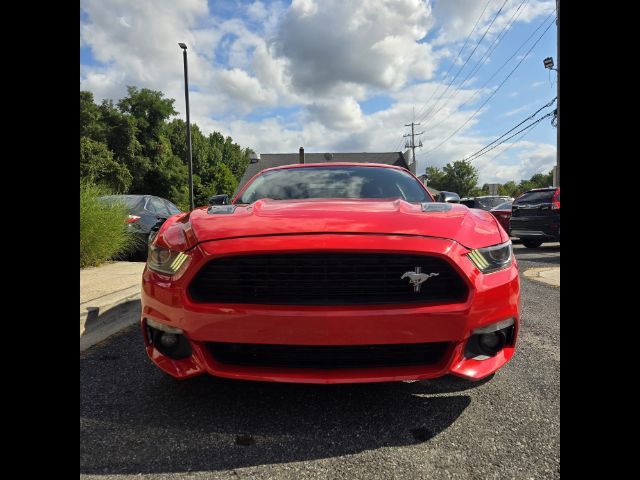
(131,201)
(543,196)
(503,206)
(157,206)
(172,208)
(490,202)
(335,182)
(468,203)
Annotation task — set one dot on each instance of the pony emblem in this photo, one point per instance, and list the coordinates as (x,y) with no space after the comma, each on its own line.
(417,278)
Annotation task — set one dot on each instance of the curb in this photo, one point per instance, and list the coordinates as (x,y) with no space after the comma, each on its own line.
(112,313)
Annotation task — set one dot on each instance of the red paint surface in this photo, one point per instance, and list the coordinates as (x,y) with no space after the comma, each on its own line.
(269,226)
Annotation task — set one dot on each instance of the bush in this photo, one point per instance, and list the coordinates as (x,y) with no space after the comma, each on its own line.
(103,230)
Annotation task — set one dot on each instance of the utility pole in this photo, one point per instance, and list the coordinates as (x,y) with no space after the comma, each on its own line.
(412,144)
(548,63)
(558,94)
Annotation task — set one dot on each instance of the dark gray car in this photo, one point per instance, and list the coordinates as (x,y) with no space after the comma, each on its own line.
(145,213)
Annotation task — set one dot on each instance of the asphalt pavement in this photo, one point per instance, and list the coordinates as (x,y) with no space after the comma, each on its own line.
(137,422)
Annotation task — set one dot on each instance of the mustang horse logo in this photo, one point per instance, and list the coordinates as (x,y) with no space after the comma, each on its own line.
(417,278)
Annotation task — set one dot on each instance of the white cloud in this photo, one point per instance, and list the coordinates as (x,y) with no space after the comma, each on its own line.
(530,158)
(372,43)
(338,114)
(257,11)
(515,111)
(458,17)
(325,57)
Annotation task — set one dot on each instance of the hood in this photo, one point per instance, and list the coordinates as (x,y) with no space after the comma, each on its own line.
(470,227)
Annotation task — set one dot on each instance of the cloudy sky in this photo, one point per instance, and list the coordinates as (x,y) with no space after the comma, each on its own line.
(340,76)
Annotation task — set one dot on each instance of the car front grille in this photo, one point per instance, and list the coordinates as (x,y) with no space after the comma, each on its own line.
(329,278)
(328,357)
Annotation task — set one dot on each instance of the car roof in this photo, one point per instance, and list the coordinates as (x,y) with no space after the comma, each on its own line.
(333,164)
(127,195)
(486,196)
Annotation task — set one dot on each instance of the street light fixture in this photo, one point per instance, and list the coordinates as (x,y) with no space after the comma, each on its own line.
(183,46)
(548,63)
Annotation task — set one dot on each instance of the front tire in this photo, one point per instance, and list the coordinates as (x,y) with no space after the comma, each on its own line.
(532,243)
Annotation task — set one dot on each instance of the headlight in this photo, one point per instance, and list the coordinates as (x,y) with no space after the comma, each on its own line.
(491,259)
(165,261)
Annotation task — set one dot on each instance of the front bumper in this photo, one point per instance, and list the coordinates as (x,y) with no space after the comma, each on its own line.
(492,298)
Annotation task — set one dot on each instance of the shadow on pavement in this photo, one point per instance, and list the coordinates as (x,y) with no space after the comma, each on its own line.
(134,419)
(545,253)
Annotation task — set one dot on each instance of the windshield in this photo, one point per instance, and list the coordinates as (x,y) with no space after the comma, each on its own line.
(539,196)
(490,202)
(172,208)
(503,206)
(335,182)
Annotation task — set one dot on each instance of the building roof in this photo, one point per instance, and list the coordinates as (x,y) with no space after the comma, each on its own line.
(270,160)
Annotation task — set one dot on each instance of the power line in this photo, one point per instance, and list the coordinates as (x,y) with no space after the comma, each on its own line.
(512,129)
(500,36)
(457,56)
(500,68)
(528,130)
(492,93)
(483,59)
(426,114)
(519,131)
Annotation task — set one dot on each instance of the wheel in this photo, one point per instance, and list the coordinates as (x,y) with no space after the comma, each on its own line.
(532,243)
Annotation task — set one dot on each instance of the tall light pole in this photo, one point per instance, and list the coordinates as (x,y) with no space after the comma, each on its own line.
(548,63)
(183,46)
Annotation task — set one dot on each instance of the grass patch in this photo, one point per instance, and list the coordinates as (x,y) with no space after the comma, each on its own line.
(103,229)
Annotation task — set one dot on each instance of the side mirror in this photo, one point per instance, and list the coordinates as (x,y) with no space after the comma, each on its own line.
(154,230)
(448,197)
(219,200)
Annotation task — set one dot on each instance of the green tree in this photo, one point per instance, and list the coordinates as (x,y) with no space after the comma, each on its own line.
(460,177)
(91,124)
(135,147)
(540,180)
(224,180)
(150,110)
(121,138)
(97,166)
(435,178)
(509,189)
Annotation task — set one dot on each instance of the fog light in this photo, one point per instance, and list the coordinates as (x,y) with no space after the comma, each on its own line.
(491,343)
(168,340)
(485,342)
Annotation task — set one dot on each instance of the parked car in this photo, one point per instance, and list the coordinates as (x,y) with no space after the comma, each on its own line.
(535,217)
(331,273)
(502,213)
(146,212)
(486,202)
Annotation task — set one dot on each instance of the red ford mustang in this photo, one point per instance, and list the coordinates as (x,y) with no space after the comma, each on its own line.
(331,273)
